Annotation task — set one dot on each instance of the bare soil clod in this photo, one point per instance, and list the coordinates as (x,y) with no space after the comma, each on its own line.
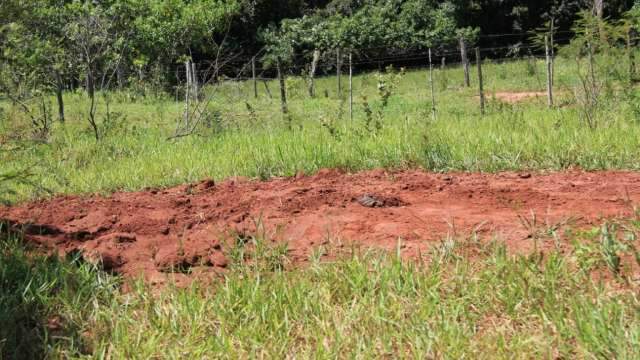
(190,227)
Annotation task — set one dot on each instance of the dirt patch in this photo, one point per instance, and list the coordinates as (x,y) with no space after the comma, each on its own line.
(516,97)
(184,230)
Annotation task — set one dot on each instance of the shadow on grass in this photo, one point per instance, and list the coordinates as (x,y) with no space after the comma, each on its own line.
(37,295)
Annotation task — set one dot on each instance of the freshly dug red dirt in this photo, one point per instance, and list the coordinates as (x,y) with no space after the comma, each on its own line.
(186,229)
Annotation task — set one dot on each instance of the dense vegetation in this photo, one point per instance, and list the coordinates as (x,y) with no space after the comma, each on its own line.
(465,298)
(67,42)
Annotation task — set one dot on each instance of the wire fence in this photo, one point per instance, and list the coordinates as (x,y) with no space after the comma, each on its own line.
(239,84)
(252,79)
(334,78)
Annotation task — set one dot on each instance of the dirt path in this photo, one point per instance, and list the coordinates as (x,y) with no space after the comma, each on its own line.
(154,231)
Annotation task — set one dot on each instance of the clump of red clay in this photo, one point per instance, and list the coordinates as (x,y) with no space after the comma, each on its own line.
(185,229)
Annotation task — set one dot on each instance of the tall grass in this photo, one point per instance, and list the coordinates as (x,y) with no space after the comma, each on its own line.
(368,304)
(255,141)
(45,302)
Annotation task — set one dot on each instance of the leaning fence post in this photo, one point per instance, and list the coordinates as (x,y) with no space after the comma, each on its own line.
(480,86)
(283,90)
(350,87)
(266,88)
(549,72)
(433,96)
(465,62)
(253,77)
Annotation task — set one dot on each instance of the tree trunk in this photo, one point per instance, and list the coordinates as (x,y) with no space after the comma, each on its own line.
(91,83)
(598,8)
(598,11)
(91,90)
(120,76)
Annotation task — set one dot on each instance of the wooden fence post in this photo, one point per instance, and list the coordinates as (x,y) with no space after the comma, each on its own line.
(59,97)
(253,76)
(194,81)
(187,91)
(632,59)
(480,85)
(549,72)
(339,72)
(283,90)
(465,62)
(553,51)
(433,96)
(350,87)
(312,73)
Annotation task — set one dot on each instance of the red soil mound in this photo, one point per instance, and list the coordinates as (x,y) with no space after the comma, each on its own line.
(156,232)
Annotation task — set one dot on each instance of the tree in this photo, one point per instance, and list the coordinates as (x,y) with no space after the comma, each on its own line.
(97,47)
(166,30)
(362,26)
(34,44)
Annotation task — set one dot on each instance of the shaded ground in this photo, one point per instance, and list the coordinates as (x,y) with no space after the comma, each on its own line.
(187,229)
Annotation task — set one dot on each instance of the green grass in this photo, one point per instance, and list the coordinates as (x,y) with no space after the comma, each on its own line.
(45,302)
(135,152)
(363,305)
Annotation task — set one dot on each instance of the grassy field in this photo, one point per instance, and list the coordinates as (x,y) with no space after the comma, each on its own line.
(248,137)
(463,299)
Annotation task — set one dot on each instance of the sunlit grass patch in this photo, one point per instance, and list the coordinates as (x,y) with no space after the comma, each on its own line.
(365,304)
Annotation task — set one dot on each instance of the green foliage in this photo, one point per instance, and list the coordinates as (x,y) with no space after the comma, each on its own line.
(370,24)
(387,84)
(598,50)
(169,29)
(49,37)
(365,304)
(46,303)
(610,247)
